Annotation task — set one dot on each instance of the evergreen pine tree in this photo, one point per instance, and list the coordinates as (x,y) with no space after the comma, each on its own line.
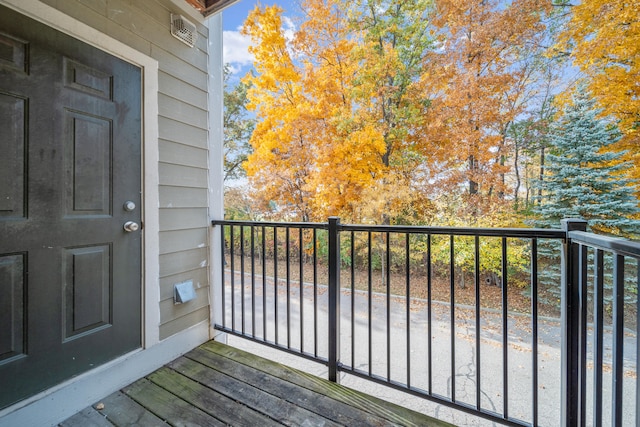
(583,181)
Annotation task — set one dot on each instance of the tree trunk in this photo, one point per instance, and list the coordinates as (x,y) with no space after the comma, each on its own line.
(516,166)
(541,173)
(473,166)
(461,276)
(383,260)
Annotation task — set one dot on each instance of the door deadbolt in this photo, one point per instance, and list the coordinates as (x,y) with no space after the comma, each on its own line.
(129,206)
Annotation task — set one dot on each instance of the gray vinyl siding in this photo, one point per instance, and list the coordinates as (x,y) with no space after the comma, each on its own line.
(192,318)
(183,240)
(183,145)
(178,89)
(175,131)
(182,176)
(180,197)
(181,154)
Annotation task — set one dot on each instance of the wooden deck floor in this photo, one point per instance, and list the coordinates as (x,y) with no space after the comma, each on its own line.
(220,385)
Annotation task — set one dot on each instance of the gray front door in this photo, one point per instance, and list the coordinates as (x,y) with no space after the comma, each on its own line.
(70,160)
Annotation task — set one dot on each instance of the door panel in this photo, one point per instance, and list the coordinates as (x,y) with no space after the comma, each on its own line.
(70,276)
(12,303)
(13,53)
(87,301)
(88,180)
(12,160)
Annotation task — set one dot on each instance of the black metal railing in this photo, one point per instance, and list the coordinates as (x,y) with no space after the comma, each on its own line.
(259,257)
(500,323)
(600,273)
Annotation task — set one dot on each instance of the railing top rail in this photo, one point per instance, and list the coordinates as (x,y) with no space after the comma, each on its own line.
(460,231)
(411,229)
(317,225)
(614,244)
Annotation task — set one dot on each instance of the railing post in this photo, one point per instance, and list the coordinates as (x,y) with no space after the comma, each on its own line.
(334,298)
(570,318)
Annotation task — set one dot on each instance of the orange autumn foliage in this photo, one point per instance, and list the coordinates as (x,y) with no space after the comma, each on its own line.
(476,83)
(603,38)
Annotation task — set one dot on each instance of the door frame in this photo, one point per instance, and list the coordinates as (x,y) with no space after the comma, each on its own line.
(150,273)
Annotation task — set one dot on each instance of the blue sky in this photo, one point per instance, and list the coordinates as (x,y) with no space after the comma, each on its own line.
(235,44)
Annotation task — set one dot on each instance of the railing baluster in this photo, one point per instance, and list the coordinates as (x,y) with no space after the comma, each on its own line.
(301,288)
(505,332)
(315,293)
(353,301)
(369,302)
(637,344)
(429,319)
(224,281)
(408,307)
(452,314)
(334,298)
(618,339)
(478,319)
(276,321)
(242,307)
(388,296)
(570,325)
(233,280)
(598,336)
(582,291)
(288,283)
(534,330)
(253,282)
(264,283)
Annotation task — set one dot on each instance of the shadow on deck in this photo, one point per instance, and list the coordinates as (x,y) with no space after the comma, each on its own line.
(220,385)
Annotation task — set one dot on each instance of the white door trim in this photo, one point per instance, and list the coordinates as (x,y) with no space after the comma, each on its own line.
(150,179)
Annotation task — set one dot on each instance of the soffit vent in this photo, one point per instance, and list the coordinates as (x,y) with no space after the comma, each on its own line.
(183,30)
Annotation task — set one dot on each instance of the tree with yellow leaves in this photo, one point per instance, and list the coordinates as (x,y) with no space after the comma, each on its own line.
(603,38)
(338,112)
(281,162)
(393,41)
(347,157)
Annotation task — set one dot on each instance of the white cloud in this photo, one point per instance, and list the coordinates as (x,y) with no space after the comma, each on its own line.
(289,28)
(235,50)
(235,46)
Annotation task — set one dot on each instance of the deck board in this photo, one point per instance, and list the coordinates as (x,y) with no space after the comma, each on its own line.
(215,384)
(167,405)
(210,401)
(87,417)
(121,410)
(285,412)
(336,411)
